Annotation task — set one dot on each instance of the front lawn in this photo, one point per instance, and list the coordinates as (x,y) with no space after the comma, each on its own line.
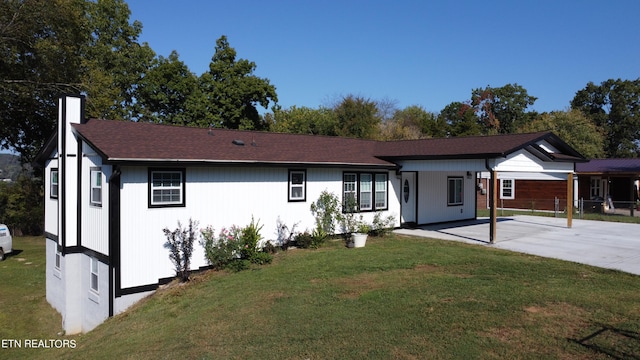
(397,298)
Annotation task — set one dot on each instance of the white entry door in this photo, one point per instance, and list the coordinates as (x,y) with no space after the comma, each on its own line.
(408,197)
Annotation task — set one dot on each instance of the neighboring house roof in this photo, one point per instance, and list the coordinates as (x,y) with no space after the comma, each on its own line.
(610,166)
(126,141)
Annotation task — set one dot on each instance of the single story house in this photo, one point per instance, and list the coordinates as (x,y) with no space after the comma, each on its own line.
(614,183)
(112,186)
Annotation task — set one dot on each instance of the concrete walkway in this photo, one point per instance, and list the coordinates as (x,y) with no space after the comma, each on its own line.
(598,243)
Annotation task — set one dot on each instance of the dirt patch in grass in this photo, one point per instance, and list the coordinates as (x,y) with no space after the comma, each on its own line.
(355,286)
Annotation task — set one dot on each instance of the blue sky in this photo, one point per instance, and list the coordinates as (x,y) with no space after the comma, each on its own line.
(427,53)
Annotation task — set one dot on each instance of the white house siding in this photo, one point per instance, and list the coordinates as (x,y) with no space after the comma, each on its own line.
(432,198)
(95,220)
(443,165)
(524,161)
(50,205)
(220,197)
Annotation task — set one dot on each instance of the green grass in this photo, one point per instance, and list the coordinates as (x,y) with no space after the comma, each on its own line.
(24,311)
(399,297)
(586,216)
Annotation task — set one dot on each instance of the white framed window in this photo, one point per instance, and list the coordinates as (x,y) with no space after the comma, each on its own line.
(507,189)
(94,275)
(381,191)
(455,191)
(166,187)
(95,194)
(53,184)
(297,185)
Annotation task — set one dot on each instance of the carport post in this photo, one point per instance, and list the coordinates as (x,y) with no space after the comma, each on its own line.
(493,212)
(569,199)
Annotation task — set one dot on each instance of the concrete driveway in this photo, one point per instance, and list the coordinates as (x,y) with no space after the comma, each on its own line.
(598,243)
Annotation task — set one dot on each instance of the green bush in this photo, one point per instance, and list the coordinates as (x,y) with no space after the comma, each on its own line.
(250,236)
(382,226)
(235,248)
(312,240)
(262,258)
(180,245)
(326,211)
(238,265)
(222,250)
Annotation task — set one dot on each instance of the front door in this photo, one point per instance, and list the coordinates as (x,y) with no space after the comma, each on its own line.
(408,197)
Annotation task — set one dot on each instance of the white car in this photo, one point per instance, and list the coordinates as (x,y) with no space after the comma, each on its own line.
(5,241)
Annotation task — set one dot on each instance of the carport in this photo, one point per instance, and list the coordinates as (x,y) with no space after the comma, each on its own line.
(439,175)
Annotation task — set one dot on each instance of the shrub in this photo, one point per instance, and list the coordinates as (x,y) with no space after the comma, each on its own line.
(326,211)
(250,236)
(303,240)
(382,227)
(262,258)
(180,244)
(238,265)
(234,248)
(222,250)
(312,240)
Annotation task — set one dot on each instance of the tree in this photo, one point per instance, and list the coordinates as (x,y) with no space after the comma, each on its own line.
(357,117)
(412,122)
(113,60)
(162,95)
(52,47)
(614,106)
(460,119)
(24,203)
(302,120)
(230,92)
(502,110)
(41,43)
(574,128)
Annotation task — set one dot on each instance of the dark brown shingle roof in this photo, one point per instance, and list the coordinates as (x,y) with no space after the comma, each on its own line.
(120,141)
(130,141)
(468,147)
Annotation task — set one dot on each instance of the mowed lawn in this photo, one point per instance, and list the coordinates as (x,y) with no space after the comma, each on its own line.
(397,298)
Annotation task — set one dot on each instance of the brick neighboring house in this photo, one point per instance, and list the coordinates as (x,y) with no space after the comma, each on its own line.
(614,183)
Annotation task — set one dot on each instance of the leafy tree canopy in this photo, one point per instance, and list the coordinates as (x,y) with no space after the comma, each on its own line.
(164,93)
(230,92)
(460,119)
(614,106)
(357,117)
(502,110)
(573,127)
(40,58)
(302,120)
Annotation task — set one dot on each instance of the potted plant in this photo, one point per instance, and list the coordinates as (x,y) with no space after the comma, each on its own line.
(359,238)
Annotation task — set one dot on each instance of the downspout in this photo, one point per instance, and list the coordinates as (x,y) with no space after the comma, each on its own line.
(492,201)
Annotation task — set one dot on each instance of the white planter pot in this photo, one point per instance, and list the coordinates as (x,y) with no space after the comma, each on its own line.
(359,239)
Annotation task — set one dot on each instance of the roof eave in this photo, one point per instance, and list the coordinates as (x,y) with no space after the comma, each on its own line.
(209,162)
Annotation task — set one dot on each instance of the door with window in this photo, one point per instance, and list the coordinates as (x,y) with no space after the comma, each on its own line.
(408,198)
